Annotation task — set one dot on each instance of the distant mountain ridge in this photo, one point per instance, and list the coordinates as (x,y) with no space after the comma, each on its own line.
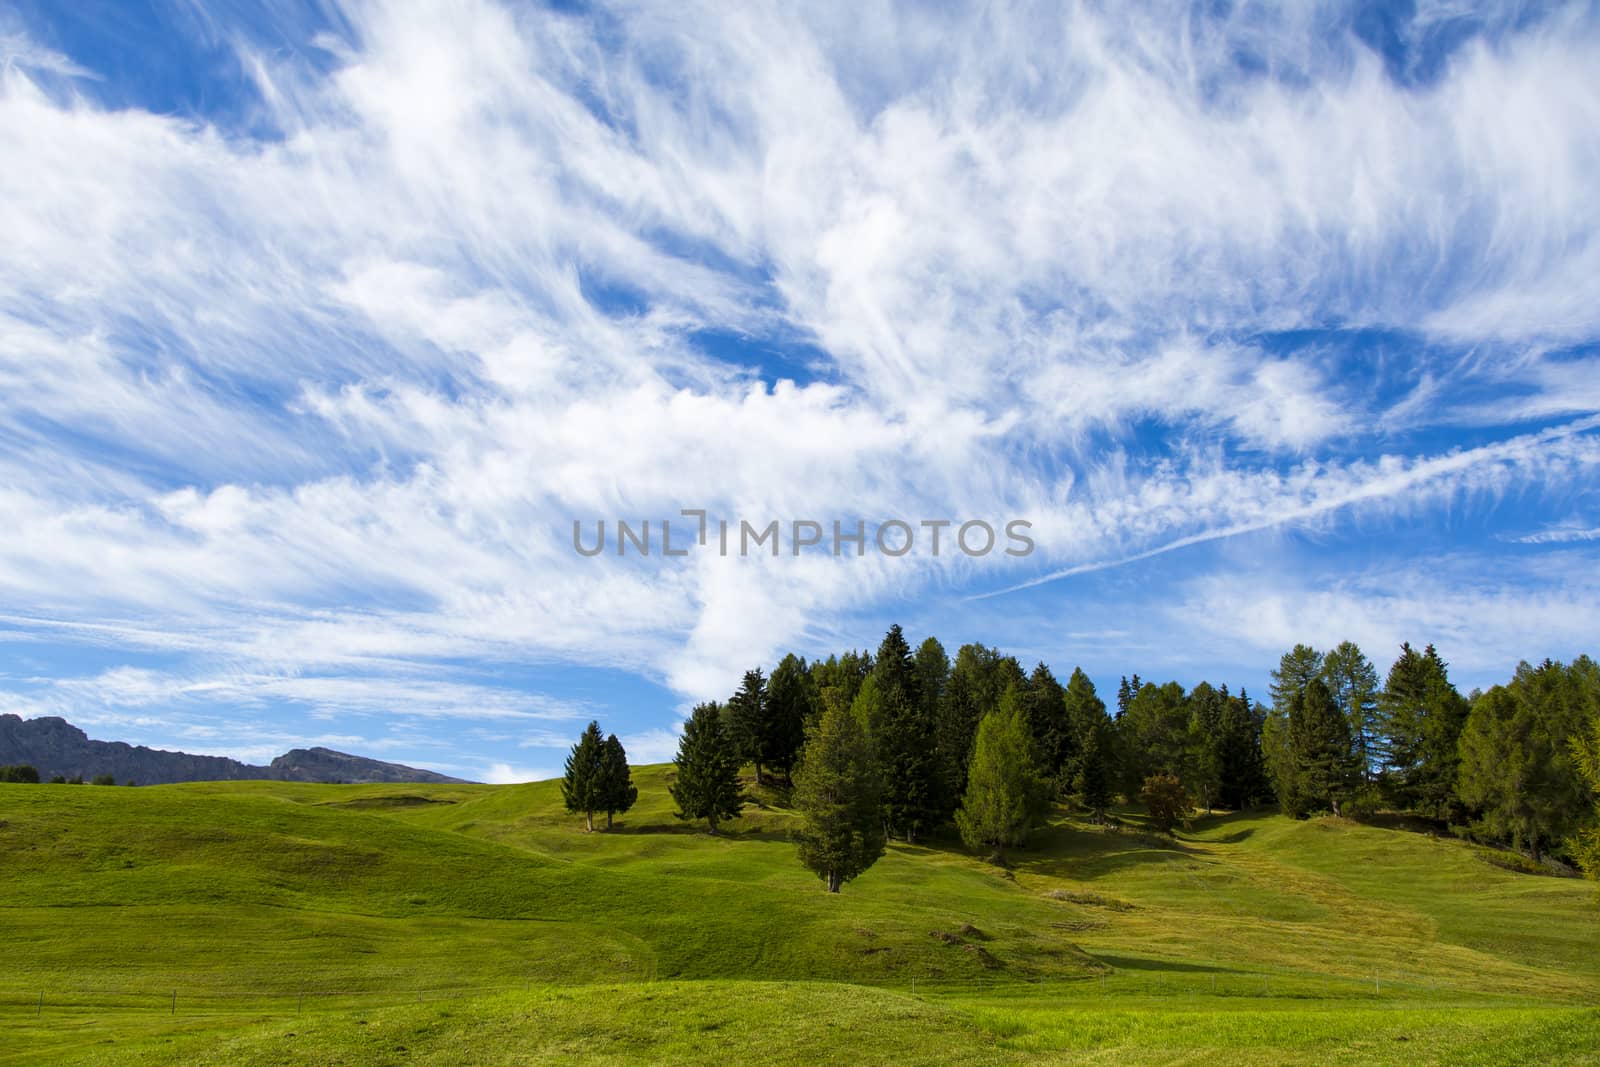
(55,746)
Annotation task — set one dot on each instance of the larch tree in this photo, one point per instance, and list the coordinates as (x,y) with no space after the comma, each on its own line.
(837,793)
(583,786)
(706,785)
(1002,786)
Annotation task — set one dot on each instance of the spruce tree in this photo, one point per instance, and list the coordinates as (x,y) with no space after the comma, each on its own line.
(912,782)
(616,779)
(1324,759)
(836,792)
(1053,740)
(792,702)
(745,721)
(1204,757)
(583,787)
(706,785)
(1423,716)
(1002,785)
(1243,773)
(1353,681)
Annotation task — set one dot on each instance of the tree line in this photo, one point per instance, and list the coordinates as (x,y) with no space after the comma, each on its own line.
(901,743)
(28,774)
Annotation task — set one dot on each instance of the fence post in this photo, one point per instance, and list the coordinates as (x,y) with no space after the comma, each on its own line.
(41,1003)
(300,1007)
(174,1002)
(1376,987)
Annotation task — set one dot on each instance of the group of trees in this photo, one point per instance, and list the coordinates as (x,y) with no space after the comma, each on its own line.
(598,778)
(27,773)
(899,743)
(1509,763)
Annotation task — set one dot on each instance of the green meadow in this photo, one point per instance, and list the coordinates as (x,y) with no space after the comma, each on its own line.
(287,923)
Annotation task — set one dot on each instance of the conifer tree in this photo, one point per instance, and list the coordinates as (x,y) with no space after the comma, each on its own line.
(1319,742)
(616,780)
(836,792)
(1353,681)
(1203,764)
(1423,716)
(706,785)
(1053,740)
(1002,785)
(1243,773)
(791,702)
(1585,750)
(745,720)
(583,787)
(912,782)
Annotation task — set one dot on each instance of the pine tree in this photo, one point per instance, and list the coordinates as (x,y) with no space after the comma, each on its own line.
(707,782)
(1423,716)
(1324,758)
(745,720)
(616,780)
(791,702)
(1092,769)
(583,786)
(1053,741)
(836,792)
(912,779)
(1243,773)
(1153,734)
(1353,681)
(1002,785)
(1205,742)
(1296,668)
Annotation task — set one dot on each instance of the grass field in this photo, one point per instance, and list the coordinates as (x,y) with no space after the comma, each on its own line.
(290,923)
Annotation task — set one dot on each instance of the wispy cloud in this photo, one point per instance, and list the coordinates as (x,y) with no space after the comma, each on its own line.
(306,403)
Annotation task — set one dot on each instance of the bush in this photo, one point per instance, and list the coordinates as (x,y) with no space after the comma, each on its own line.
(19,772)
(1165,801)
(103,779)
(1363,806)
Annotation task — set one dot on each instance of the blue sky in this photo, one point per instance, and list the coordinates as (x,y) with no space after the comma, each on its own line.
(320,324)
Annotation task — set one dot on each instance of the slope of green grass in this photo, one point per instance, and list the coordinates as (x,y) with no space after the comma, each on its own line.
(202,922)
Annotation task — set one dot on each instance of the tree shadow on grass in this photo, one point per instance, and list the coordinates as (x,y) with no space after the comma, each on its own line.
(1140,963)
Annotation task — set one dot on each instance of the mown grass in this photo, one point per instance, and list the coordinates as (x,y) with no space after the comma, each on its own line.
(479,918)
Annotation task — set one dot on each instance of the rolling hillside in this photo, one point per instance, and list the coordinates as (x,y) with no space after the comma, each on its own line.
(445,922)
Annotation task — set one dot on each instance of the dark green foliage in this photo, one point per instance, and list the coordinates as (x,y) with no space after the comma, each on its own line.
(913,779)
(19,772)
(1518,765)
(1090,772)
(1046,707)
(583,787)
(1002,795)
(1585,749)
(1203,760)
(1353,681)
(104,779)
(837,793)
(1243,774)
(978,679)
(792,702)
(1297,667)
(1153,734)
(1323,773)
(841,674)
(744,720)
(706,785)
(1165,801)
(1423,717)
(58,779)
(617,791)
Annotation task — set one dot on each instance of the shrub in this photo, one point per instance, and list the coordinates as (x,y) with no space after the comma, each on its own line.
(19,772)
(103,779)
(1165,801)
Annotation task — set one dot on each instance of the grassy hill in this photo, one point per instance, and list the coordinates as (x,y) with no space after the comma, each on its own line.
(460,923)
